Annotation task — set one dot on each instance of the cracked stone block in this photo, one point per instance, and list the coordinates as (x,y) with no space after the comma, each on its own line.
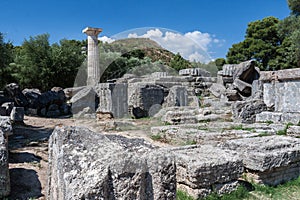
(269,160)
(201,168)
(88,165)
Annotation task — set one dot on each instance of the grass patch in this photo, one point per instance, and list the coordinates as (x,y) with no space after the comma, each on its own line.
(240,193)
(288,190)
(159,138)
(284,131)
(181,195)
(240,128)
(189,142)
(269,122)
(203,128)
(263,134)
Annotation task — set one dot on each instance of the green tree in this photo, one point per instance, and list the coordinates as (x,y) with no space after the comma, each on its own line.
(66,58)
(220,62)
(261,42)
(32,63)
(39,65)
(178,62)
(294,6)
(6,57)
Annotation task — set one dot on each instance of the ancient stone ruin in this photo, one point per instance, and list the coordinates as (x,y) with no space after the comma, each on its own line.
(208,134)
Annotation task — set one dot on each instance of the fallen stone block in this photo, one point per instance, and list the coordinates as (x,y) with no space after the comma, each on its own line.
(206,169)
(178,96)
(246,111)
(243,87)
(278,117)
(145,100)
(5,125)
(270,160)
(82,99)
(194,72)
(217,90)
(268,117)
(180,117)
(293,131)
(88,165)
(113,98)
(17,114)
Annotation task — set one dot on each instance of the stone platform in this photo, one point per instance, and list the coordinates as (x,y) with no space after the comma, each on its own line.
(202,170)
(269,160)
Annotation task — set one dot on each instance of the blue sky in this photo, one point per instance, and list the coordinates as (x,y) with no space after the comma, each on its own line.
(216,23)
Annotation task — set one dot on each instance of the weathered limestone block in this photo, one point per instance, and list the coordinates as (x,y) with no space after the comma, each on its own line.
(17,114)
(194,72)
(246,72)
(269,94)
(199,169)
(180,117)
(217,90)
(278,117)
(286,97)
(243,87)
(228,70)
(257,90)
(14,92)
(268,116)
(5,125)
(32,96)
(4,171)
(270,160)
(246,111)
(145,99)
(113,98)
(7,108)
(159,74)
(293,131)
(232,95)
(82,99)
(88,165)
(178,96)
(293,118)
(280,75)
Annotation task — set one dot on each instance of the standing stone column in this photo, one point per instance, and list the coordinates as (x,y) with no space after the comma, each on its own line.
(93,66)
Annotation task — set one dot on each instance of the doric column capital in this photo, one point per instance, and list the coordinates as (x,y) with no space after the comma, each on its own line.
(92,31)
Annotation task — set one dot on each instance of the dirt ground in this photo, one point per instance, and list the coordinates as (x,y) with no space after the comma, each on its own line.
(28,150)
(28,157)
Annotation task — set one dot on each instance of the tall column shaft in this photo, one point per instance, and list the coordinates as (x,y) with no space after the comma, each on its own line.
(93,64)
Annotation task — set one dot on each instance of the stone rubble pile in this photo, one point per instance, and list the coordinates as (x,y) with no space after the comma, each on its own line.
(33,102)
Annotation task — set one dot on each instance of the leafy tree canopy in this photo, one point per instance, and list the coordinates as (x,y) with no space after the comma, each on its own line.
(294,6)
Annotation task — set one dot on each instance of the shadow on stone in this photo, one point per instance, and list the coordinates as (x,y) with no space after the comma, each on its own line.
(24,184)
(23,157)
(28,136)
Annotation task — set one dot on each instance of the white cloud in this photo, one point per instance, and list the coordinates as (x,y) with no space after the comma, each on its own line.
(106,39)
(193,46)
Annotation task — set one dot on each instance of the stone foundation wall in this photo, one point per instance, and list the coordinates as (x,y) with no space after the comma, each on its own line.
(275,176)
(270,160)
